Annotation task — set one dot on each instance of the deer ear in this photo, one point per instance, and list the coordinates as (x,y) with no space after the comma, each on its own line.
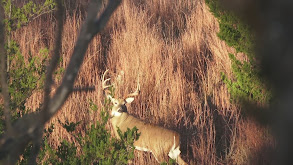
(129,99)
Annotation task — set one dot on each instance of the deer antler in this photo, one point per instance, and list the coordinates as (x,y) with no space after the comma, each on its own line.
(105,86)
(137,91)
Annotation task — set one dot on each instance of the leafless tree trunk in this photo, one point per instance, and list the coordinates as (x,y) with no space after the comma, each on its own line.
(30,127)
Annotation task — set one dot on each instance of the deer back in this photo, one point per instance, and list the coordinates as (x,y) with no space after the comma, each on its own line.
(152,137)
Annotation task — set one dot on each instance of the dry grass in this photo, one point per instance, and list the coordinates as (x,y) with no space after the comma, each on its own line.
(173,47)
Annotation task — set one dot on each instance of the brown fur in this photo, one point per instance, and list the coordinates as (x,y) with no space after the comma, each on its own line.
(154,138)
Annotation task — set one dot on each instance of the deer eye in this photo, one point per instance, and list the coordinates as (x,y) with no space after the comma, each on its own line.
(115,103)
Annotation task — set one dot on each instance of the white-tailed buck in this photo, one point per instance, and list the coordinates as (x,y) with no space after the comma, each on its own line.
(157,140)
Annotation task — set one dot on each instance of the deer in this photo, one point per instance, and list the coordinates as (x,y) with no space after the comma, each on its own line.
(161,142)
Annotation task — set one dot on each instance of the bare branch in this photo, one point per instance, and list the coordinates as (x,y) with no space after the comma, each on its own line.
(13,143)
(101,23)
(89,29)
(29,128)
(56,55)
(4,85)
(84,89)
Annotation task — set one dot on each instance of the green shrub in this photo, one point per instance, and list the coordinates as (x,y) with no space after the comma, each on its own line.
(16,17)
(233,30)
(97,146)
(100,148)
(247,83)
(24,76)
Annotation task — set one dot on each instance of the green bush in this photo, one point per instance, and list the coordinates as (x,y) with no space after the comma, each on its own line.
(233,30)
(100,148)
(97,146)
(247,83)
(24,76)
(16,17)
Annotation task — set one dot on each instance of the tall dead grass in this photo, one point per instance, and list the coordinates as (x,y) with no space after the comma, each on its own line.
(172,46)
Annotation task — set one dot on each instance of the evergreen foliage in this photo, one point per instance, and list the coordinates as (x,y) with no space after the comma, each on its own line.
(24,76)
(247,82)
(100,148)
(234,31)
(16,17)
(97,146)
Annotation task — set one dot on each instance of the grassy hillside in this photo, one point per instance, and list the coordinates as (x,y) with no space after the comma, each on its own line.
(173,46)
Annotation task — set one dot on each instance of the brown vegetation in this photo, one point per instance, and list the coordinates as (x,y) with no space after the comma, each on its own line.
(172,45)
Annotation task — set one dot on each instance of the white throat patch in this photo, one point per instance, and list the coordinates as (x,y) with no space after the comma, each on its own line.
(115,114)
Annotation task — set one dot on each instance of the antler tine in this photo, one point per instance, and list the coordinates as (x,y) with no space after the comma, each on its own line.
(104,82)
(105,86)
(103,77)
(137,91)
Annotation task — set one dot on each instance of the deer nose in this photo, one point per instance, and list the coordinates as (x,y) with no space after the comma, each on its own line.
(120,110)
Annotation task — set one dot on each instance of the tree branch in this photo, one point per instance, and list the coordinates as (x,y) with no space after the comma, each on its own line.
(29,127)
(89,29)
(56,56)
(4,85)
(83,89)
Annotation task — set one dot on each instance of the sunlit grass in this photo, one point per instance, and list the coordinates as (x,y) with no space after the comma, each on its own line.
(173,47)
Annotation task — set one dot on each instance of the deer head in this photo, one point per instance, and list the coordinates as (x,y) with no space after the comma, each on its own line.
(119,105)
